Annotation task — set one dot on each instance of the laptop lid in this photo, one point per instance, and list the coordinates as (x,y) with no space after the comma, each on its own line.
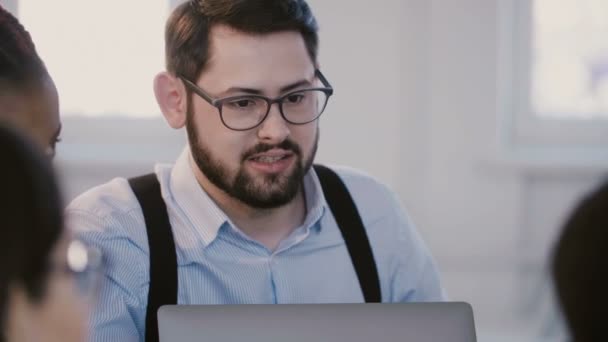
(403,322)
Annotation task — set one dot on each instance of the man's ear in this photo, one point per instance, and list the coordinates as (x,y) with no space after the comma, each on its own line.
(172,99)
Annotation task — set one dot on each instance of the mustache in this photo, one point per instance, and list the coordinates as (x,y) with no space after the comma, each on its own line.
(286,145)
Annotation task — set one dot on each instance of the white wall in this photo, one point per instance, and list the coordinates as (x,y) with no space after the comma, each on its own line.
(417,104)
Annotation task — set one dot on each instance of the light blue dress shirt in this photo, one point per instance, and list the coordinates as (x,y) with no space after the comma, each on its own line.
(218,264)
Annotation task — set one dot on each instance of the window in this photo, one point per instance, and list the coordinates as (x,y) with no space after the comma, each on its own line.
(570,59)
(103,55)
(553,79)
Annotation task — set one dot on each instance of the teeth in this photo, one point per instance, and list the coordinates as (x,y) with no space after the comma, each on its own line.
(268,159)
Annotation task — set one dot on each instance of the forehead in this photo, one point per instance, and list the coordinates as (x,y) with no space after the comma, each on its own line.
(277,58)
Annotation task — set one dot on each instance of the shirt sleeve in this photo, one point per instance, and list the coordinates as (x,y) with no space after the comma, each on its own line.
(119,309)
(406,267)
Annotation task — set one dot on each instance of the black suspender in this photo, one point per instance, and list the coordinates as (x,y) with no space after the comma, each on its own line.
(163,260)
(348,219)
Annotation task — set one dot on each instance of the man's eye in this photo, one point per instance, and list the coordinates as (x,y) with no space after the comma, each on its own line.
(295,98)
(242,103)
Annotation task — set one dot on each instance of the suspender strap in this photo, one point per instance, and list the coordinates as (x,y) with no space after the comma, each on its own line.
(347,216)
(163,259)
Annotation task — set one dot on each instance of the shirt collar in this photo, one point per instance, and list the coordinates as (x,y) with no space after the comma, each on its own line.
(316,205)
(207,218)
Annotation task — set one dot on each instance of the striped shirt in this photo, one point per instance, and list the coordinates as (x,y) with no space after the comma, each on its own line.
(219,264)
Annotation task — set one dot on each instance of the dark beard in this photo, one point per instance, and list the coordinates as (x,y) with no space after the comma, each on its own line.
(272,192)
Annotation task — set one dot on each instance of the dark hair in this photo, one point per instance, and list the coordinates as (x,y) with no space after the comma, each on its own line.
(187,30)
(32,219)
(580,268)
(20,65)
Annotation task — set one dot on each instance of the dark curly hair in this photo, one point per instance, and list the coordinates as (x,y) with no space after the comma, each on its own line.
(32,220)
(580,268)
(20,65)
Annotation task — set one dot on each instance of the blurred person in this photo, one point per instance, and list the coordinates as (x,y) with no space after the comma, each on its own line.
(580,268)
(46,278)
(28,97)
(243,216)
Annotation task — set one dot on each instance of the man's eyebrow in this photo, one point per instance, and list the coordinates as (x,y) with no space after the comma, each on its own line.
(243,90)
(295,85)
(254,91)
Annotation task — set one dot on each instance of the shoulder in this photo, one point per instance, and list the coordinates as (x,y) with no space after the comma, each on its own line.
(109,218)
(386,221)
(358,180)
(108,212)
(373,198)
(102,200)
(405,265)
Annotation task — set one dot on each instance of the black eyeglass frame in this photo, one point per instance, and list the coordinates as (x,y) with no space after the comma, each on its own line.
(218,103)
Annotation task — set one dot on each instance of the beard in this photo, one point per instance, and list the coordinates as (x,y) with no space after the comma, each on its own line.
(260,192)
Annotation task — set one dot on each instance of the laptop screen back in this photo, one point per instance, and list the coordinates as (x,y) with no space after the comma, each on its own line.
(406,322)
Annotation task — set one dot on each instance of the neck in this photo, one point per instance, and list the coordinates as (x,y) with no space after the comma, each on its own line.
(266,226)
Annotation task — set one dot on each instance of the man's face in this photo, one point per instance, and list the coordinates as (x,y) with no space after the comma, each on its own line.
(262,167)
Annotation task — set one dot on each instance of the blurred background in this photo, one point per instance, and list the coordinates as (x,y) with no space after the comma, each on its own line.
(487,117)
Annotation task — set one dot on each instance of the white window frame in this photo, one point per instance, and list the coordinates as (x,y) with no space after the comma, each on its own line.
(521,129)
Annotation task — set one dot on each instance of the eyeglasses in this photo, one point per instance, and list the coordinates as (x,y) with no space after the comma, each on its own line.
(245,112)
(84,264)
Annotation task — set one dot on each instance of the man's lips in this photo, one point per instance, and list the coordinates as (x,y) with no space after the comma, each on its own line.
(272,161)
(271,155)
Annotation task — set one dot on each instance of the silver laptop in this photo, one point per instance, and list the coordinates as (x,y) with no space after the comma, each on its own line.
(407,322)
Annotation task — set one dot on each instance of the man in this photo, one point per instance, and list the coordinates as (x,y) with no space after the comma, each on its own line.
(249,217)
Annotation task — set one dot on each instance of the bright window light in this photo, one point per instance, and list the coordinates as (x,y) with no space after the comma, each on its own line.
(103,55)
(570,59)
